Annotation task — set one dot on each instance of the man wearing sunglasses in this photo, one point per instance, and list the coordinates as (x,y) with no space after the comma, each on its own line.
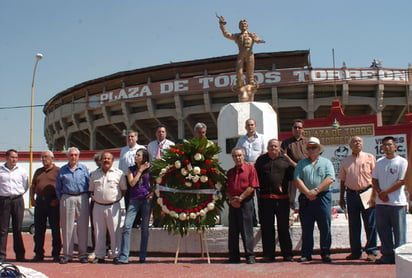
(313,176)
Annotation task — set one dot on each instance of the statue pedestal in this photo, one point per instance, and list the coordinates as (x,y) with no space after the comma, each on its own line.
(403,259)
(231,126)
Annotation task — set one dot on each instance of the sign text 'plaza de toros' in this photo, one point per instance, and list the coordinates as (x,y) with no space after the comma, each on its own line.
(263,78)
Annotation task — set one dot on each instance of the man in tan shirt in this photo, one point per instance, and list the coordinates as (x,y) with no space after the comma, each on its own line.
(356,180)
(107,187)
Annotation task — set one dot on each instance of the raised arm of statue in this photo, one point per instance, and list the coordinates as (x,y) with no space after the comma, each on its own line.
(222,26)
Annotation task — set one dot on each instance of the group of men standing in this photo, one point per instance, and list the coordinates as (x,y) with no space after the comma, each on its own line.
(369,189)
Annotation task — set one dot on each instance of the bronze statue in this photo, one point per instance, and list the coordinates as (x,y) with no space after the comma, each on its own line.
(245,58)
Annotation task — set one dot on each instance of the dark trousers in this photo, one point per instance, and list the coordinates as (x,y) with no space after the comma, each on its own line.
(241,222)
(42,212)
(268,210)
(355,211)
(319,211)
(15,209)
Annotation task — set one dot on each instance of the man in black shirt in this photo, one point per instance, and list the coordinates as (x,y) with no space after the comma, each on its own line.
(275,171)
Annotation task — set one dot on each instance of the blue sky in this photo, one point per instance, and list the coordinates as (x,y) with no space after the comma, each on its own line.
(87,39)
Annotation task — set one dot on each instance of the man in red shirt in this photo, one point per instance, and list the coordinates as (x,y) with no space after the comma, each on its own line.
(241,183)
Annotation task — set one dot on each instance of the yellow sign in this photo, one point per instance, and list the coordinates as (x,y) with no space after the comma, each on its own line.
(340,135)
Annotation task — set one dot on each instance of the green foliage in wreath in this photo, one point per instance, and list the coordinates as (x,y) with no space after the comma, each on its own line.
(190,186)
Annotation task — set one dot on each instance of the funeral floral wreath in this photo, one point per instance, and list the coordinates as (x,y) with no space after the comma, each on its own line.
(190,189)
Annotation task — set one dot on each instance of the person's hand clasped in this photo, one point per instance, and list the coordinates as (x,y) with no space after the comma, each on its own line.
(235,202)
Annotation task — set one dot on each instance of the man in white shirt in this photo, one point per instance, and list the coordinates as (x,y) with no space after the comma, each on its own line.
(156,148)
(388,179)
(107,187)
(14,182)
(128,152)
(253,143)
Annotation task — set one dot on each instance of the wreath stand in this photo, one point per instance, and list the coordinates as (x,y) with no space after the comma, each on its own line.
(204,249)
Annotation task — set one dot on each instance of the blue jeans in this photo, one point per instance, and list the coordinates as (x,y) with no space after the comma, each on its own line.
(391,224)
(319,211)
(355,211)
(134,207)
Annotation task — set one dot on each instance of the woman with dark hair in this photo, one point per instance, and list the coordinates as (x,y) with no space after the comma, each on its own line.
(139,200)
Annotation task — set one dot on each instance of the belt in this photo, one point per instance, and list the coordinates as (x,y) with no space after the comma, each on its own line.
(74,193)
(107,204)
(274,196)
(12,197)
(358,191)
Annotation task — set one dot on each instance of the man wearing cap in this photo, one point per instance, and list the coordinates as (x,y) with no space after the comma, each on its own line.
(356,179)
(313,176)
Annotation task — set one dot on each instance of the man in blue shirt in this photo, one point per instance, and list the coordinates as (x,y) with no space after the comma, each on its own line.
(72,188)
(313,176)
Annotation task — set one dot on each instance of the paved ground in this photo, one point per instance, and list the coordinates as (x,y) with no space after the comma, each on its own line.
(197,267)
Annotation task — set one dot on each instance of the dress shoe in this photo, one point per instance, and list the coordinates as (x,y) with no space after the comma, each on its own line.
(56,259)
(63,260)
(371,258)
(21,260)
(232,261)
(288,259)
(326,259)
(382,261)
(142,261)
(352,257)
(305,259)
(268,260)
(37,259)
(251,260)
(83,260)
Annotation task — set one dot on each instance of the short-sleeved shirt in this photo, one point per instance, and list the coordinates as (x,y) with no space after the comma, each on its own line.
(44,182)
(314,174)
(387,172)
(274,174)
(142,189)
(107,187)
(356,170)
(295,148)
(240,178)
(253,148)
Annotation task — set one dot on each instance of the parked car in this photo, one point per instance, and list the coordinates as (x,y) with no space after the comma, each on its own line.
(28,221)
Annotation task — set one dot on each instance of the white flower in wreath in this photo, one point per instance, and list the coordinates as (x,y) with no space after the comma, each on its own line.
(182,216)
(157,192)
(192,215)
(184,172)
(196,170)
(204,179)
(159,201)
(195,178)
(198,156)
(218,186)
(216,197)
(178,164)
(163,171)
(173,214)
(165,209)
(159,180)
(211,206)
(188,184)
(202,212)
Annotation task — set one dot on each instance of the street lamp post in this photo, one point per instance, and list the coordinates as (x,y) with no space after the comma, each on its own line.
(39,56)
